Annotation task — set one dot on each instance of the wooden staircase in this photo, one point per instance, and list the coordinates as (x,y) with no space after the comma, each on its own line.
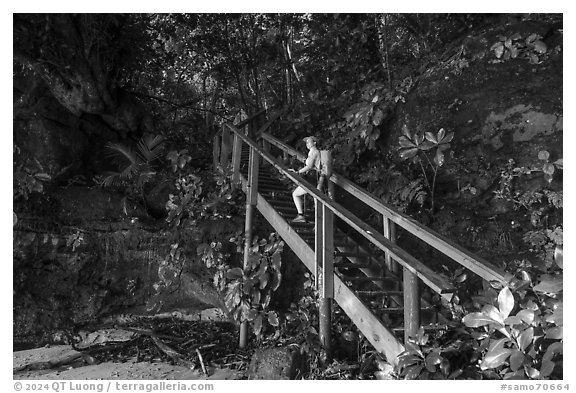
(375,282)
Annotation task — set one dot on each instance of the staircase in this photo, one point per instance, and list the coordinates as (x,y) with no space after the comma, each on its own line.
(375,282)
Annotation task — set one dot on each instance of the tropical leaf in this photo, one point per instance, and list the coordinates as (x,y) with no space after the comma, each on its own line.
(151,147)
(426,145)
(553,350)
(120,150)
(251,315)
(439,158)
(549,284)
(548,169)
(408,153)
(405,142)
(377,117)
(273,319)
(497,344)
(257,324)
(555,333)
(526,316)
(406,132)
(413,372)
(495,358)
(431,137)
(234,273)
(517,360)
(505,302)
(446,139)
(543,155)
(540,47)
(547,368)
(440,135)
(557,315)
(525,338)
(492,312)
(513,320)
(477,319)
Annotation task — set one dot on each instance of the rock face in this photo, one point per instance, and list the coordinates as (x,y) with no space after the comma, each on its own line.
(83,261)
(276,363)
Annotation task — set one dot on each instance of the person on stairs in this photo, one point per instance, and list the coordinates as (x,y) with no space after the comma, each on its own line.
(312,162)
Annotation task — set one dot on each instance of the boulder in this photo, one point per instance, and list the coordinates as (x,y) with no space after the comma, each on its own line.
(277,363)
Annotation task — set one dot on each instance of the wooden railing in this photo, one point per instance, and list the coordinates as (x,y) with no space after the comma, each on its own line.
(391,218)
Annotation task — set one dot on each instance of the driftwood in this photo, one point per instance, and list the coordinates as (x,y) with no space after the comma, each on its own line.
(51,364)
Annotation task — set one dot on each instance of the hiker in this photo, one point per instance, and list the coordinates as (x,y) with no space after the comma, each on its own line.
(312,162)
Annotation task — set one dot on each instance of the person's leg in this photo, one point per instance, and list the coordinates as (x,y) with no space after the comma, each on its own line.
(297,196)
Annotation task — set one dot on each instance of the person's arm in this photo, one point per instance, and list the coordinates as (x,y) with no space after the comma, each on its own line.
(309,164)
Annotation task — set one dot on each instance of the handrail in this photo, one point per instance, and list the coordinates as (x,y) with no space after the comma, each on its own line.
(474,263)
(434,280)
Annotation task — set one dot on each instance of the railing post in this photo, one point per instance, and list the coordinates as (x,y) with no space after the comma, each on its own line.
(265,147)
(216,150)
(324,246)
(225,149)
(411,305)
(390,234)
(236,155)
(251,200)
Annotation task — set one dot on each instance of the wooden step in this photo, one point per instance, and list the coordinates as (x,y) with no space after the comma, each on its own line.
(384,309)
(432,327)
(366,279)
(350,265)
(379,293)
(353,254)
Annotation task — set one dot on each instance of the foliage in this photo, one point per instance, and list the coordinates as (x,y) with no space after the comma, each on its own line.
(531,48)
(178,159)
(516,334)
(200,199)
(75,239)
(28,176)
(249,290)
(416,147)
(538,201)
(364,118)
(300,325)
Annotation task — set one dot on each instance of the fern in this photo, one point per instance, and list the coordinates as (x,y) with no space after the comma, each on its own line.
(137,169)
(138,164)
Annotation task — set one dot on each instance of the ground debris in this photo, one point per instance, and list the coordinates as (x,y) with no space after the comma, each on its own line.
(193,344)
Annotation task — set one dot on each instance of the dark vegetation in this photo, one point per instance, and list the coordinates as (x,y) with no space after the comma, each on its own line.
(429,112)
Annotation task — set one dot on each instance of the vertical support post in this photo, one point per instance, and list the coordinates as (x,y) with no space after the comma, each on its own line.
(318,243)
(411,305)
(324,243)
(390,234)
(236,154)
(331,191)
(265,147)
(216,150)
(225,149)
(251,200)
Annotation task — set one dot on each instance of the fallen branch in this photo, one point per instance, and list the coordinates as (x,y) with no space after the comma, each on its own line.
(178,359)
(201,362)
(151,333)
